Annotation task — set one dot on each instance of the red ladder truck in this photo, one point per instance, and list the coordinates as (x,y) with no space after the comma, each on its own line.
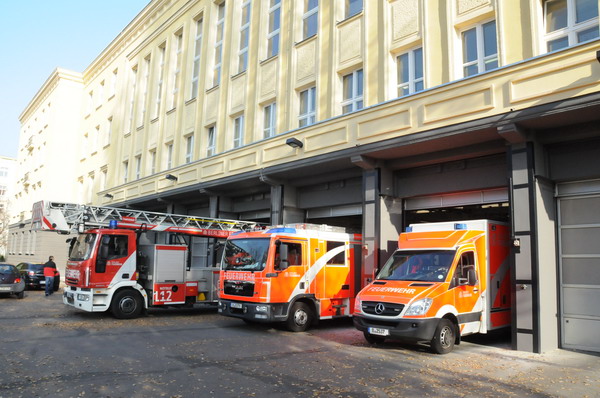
(126,260)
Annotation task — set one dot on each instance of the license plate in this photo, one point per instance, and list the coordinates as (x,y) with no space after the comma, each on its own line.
(4,289)
(42,282)
(236,305)
(379,331)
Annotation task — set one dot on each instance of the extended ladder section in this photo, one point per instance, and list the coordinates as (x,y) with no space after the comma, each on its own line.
(69,217)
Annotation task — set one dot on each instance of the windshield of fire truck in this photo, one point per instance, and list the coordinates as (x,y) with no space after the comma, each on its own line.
(82,247)
(245,254)
(418,265)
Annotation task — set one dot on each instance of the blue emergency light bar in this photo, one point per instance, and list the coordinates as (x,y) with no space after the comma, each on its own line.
(281,231)
(460,226)
(112,224)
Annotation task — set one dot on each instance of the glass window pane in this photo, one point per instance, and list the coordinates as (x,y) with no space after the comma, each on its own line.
(304,102)
(313,98)
(558,44)
(274,20)
(588,34)
(244,38)
(585,10)
(359,105)
(556,15)
(274,2)
(246,14)
(310,26)
(491,64)
(489,39)
(404,90)
(347,83)
(403,68)
(469,45)
(419,86)
(353,7)
(310,4)
(273,46)
(471,70)
(418,63)
(359,82)
(347,109)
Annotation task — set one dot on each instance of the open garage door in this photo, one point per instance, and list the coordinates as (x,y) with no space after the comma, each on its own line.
(579,237)
(347,216)
(491,204)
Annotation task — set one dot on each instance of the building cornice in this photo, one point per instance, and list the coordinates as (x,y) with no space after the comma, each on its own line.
(47,88)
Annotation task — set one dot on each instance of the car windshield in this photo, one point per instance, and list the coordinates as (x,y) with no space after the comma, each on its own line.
(81,247)
(418,265)
(245,254)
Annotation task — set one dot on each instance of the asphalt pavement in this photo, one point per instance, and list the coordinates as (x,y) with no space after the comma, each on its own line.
(51,350)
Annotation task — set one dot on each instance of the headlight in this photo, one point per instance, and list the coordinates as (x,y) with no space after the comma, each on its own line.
(83,297)
(419,307)
(357,305)
(262,308)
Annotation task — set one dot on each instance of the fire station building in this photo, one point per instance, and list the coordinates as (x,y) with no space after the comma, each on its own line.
(370,115)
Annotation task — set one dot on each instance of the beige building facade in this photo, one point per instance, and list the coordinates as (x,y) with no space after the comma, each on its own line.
(365,114)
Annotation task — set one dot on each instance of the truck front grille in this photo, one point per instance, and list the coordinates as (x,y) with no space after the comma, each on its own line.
(382,309)
(239,288)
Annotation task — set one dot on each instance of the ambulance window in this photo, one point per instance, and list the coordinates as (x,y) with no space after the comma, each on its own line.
(466,262)
(339,258)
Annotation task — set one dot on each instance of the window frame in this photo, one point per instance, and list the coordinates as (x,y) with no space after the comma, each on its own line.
(195,83)
(355,98)
(310,116)
(572,29)
(244,30)
(211,141)
(348,13)
(481,59)
(307,14)
(269,130)
(218,47)
(189,148)
(238,132)
(412,79)
(271,34)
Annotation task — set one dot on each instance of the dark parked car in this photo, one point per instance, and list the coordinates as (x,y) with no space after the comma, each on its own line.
(11,281)
(34,276)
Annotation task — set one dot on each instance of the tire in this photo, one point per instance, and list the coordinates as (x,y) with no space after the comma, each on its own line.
(126,304)
(444,337)
(300,317)
(372,339)
(20,295)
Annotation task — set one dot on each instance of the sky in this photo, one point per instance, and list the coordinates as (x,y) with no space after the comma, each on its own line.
(39,36)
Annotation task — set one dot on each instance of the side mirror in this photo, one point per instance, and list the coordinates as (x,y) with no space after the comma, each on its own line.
(283,257)
(472,278)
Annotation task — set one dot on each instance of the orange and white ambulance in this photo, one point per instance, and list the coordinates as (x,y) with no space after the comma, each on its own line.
(445,280)
(297,274)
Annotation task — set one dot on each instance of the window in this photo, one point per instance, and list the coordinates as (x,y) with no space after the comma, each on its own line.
(103,175)
(96,139)
(90,102)
(145,84)
(132,96)
(310,19)
(212,141)
(177,71)
(219,44)
(244,37)
(108,134)
(480,49)
(196,64)
(270,118)
(3,171)
(307,114)
(152,161)
(274,26)
(169,159)
(100,96)
(138,167)
(125,171)
(569,22)
(113,82)
(161,72)
(353,7)
(189,148)
(410,72)
(352,92)
(238,132)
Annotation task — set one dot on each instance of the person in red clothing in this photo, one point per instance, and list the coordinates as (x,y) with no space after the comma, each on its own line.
(49,273)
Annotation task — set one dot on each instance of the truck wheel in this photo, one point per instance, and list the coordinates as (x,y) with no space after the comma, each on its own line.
(126,304)
(444,337)
(372,339)
(20,295)
(300,317)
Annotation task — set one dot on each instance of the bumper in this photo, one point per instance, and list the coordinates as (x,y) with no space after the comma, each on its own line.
(412,330)
(255,312)
(84,299)
(12,288)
